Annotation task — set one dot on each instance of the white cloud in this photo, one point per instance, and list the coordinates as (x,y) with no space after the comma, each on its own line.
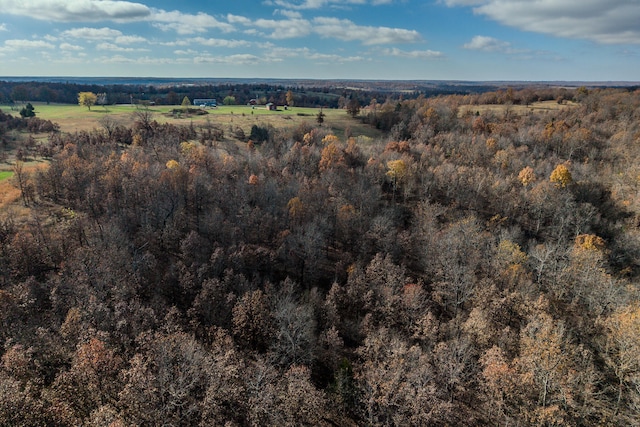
(181,42)
(192,57)
(326,27)
(3,27)
(317,4)
(184,23)
(92,33)
(75,10)
(70,47)
(219,42)
(130,39)
(70,57)
(116,59)
(238,59)
(104,33)
(413,54)
(210,42)
(189,52)
(487,44)
(111,10)
(111,47)
(452,3)
(278,54)
(285,28)
(606,22)
(347,30)
(333,58)
(289,14)
(28,44)
(116,48)
(493,45)
(237,19)
(137,60)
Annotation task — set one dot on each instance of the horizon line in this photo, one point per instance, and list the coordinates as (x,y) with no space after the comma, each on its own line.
(105,77)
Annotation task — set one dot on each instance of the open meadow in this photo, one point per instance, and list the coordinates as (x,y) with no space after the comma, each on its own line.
(72,118)
(540,107)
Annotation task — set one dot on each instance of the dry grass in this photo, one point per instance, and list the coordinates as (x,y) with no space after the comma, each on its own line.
(10,197)
(9,194)
(536,107)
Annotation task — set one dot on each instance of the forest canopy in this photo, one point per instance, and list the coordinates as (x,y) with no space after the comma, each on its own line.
(474,266)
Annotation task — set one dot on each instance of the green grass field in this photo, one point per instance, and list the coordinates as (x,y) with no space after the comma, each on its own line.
(73,118)
(5,175)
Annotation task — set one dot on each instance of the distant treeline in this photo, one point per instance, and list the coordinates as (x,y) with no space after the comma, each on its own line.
(303,95)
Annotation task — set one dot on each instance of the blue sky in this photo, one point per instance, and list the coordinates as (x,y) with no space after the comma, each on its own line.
(535,40)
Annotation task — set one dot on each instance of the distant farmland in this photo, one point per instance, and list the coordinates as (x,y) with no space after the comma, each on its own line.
(72,118)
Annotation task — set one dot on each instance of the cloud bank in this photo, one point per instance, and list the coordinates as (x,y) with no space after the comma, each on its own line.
(75,10)
(605,22)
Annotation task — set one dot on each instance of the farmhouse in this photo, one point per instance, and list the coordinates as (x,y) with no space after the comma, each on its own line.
(206,102)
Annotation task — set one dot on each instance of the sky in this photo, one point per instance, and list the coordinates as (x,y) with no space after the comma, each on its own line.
(473,40)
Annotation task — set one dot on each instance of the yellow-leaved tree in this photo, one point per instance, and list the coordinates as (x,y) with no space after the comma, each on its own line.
(561,176)
(527,176)
(87,99)
(397,170)
(296,208)
(331,156)
(172,164)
